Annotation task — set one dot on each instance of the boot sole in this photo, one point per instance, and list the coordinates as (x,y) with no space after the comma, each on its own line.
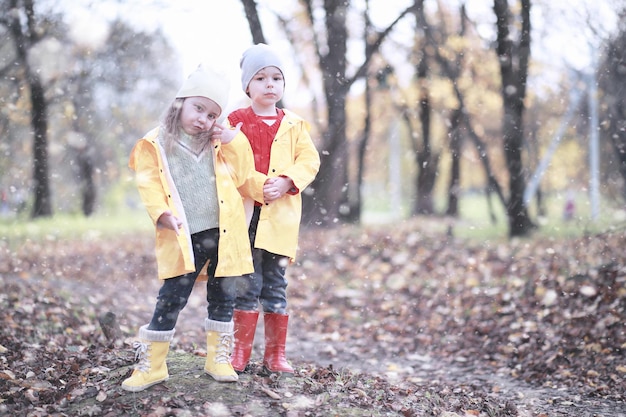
(142,387)
(266,371)
(223,378)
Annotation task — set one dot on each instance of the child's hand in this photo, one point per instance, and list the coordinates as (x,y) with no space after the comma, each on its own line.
(169,221)
(224,134)
(275,188)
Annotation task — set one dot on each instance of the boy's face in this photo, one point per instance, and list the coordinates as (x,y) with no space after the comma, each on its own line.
(267,86)
(198,114)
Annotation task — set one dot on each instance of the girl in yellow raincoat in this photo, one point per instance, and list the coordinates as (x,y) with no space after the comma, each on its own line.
(190,193)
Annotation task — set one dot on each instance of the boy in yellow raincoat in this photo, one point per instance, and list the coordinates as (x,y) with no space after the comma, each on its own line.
(286,162)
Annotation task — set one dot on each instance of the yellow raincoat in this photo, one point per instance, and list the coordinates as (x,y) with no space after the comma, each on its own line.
(293,155)
(174,254)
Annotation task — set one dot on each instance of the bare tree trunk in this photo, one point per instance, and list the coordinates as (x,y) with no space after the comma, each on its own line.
(252,15)
(456,140)
(42,205)
(81,147)
(355,204)
(513,59)
(612,81)
(331,187)
(80,151)
(427,162)
(23,38)
(532,144)
(492,213)
(88,188)
(354,215)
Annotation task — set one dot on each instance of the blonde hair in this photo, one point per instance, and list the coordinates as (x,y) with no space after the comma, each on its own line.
(171,126)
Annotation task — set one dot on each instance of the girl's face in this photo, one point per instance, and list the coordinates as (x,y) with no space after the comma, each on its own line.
(198,114)
(267,86)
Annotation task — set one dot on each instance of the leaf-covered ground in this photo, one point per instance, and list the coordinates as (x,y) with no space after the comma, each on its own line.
(385,321)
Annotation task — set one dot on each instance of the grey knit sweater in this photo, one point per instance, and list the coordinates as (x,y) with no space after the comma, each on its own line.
(193,173)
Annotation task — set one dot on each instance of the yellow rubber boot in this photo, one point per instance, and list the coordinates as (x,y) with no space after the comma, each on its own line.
(219,347)
(151,352)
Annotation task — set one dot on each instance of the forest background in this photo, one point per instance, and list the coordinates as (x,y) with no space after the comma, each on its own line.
(449,131)
(414,110)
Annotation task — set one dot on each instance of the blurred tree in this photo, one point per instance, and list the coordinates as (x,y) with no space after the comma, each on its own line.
(463,84)
(98,99)
(513,50)
(330,202)
(25,31)
(355,201)
(453,68)
(426,160)
(447,53)
(113,90)
(380,78)
(612,82)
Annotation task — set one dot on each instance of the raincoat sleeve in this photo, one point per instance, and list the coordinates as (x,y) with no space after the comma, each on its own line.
(240,158)
(306,162)
(144,161)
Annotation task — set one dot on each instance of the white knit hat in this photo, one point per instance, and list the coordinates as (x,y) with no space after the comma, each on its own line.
(255,59)
(206,82)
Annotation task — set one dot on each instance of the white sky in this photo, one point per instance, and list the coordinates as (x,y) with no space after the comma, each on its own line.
(203,31)
(216,31)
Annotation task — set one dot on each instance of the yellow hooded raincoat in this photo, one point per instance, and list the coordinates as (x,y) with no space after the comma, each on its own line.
(174,254)
(293,155)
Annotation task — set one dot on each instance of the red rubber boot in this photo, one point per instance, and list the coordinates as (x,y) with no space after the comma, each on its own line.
(275,337)
(245,326)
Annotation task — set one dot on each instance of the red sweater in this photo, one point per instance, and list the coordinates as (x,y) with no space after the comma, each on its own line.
(259,133)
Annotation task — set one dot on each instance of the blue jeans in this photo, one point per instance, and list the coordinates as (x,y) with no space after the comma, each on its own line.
(267,284)
(175,292)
